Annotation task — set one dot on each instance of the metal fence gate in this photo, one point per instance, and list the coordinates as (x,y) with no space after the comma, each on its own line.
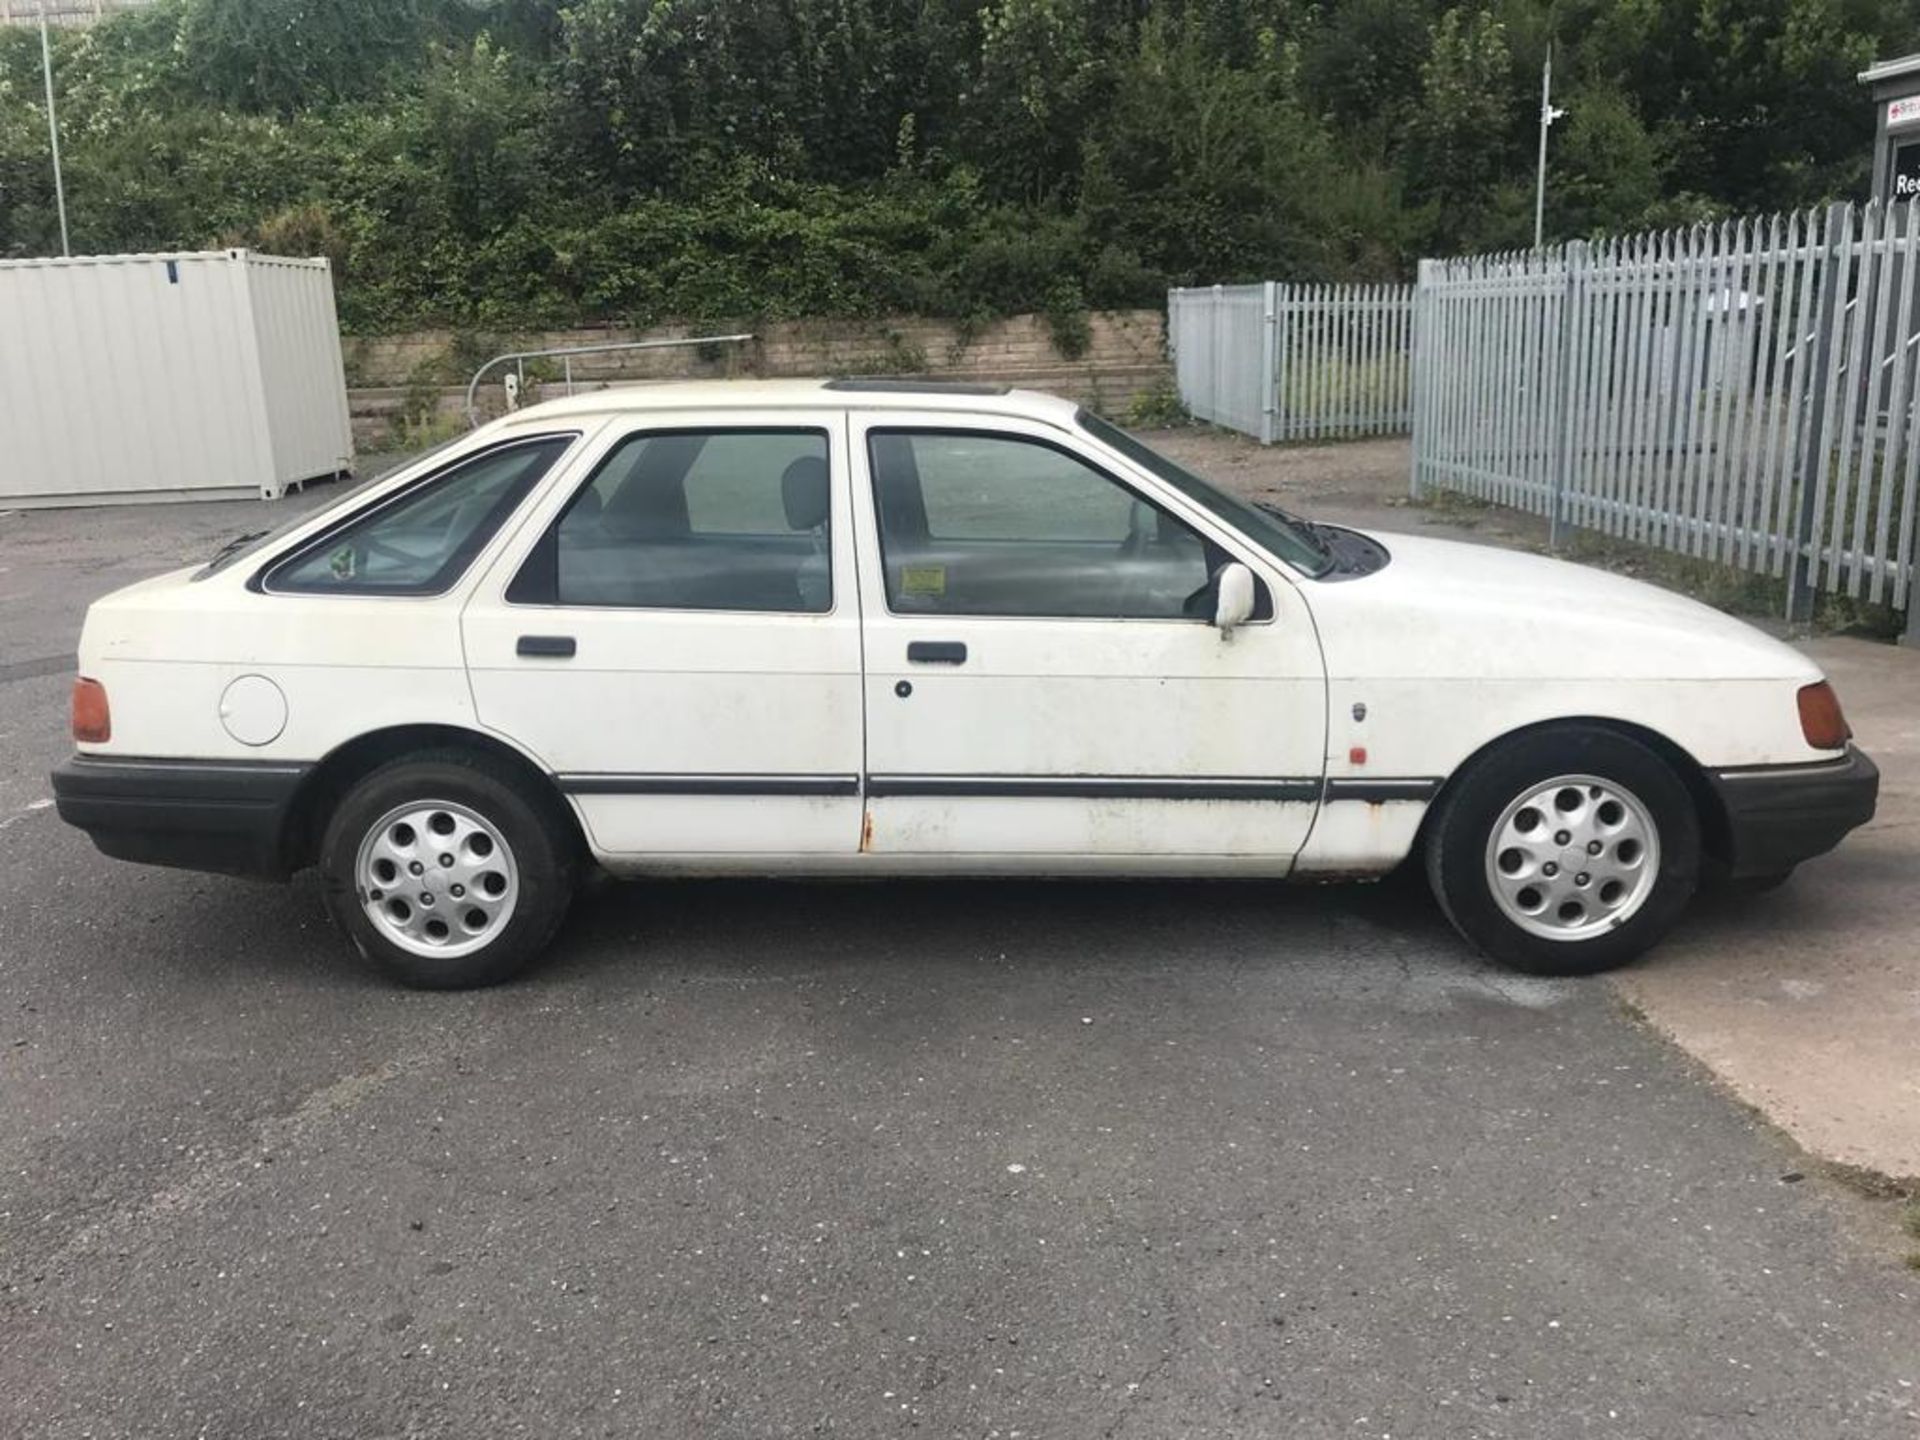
(1295,362)
(1745,393)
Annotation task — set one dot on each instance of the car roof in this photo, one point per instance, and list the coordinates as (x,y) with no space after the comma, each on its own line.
(876,394)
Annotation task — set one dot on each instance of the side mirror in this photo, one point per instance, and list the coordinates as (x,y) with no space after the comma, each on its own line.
(1233,595)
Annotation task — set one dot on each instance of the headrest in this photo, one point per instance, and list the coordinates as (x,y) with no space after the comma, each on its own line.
(803,490)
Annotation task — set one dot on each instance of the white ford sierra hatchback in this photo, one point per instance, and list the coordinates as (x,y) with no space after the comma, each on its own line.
(892,628)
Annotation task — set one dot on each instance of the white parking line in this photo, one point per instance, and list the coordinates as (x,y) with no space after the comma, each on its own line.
(32,809)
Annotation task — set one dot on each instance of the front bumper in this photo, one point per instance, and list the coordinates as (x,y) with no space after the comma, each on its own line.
(1779,815)
(225,816)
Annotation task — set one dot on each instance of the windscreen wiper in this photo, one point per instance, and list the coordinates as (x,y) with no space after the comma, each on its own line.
(1304,527)
(235,543)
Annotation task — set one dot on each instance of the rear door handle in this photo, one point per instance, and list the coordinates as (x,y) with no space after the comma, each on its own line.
(557,646)
(937,652)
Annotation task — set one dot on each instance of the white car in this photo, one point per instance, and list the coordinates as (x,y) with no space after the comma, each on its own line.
(900,628)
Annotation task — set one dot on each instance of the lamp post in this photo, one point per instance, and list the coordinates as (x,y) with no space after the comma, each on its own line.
(53,130)
(1547,116)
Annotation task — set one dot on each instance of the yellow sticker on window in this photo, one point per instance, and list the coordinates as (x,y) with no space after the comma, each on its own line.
(923,579)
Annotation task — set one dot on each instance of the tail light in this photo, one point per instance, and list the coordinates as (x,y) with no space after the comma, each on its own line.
(92,721)
(1820,718)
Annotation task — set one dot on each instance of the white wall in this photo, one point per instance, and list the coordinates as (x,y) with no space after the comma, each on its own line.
(160,377)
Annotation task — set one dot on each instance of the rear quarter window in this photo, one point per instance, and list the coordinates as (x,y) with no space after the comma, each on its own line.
(420,540)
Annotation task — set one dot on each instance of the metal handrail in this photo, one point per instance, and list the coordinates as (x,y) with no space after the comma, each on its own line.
(565,353)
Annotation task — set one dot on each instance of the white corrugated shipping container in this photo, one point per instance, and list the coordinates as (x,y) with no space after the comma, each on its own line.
(209,375)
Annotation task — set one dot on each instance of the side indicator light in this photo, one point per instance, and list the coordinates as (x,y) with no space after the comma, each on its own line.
(92,721)
(1820,718)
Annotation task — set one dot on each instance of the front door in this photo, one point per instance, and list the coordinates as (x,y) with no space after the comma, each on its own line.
(1044,687)
(676,635)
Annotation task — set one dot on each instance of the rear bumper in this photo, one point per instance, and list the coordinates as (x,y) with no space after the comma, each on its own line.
(1779,815)
(224,816)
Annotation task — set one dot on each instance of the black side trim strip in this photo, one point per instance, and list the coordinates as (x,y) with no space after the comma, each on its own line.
(1092,787)
(1792,770)
(709,784)
(1055,787)
(1385,788)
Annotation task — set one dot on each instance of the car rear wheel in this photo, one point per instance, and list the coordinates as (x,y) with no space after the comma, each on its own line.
(1565,851)
(446,870)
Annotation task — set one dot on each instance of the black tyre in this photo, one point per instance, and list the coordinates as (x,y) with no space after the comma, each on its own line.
(447,870)
(1565,851)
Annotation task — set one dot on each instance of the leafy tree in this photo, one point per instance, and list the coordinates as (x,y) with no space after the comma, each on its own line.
(1458,141)
(503,163)
(1608,172)
(282,54)
(1205,167)
(1362,70)
(1042,78)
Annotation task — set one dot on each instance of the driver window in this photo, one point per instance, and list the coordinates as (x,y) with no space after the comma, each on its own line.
(420,543)
(984,524)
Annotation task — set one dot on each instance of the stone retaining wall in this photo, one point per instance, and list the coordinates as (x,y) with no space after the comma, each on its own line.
(404,381)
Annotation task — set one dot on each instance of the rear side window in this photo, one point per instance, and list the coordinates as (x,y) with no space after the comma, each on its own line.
(694,520)
(422,541)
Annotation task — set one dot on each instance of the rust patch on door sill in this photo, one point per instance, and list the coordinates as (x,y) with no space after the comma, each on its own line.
(866,832)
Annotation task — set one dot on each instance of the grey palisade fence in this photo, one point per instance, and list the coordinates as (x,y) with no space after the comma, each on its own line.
(1294,362)
(1743,392)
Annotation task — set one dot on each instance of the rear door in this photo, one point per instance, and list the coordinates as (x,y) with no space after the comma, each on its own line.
(675,633)
(1044,686)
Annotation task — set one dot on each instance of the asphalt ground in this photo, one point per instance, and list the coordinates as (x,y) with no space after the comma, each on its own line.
(978,1160)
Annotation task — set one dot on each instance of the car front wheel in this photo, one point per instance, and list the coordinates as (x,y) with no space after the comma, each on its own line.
(1565,851)
(446,870)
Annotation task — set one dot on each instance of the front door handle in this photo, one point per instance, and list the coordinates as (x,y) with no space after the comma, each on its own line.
(937,652)
(559,647)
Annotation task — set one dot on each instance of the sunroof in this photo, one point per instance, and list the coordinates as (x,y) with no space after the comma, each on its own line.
(905,386)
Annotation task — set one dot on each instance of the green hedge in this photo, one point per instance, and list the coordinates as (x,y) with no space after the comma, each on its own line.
(500,164)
